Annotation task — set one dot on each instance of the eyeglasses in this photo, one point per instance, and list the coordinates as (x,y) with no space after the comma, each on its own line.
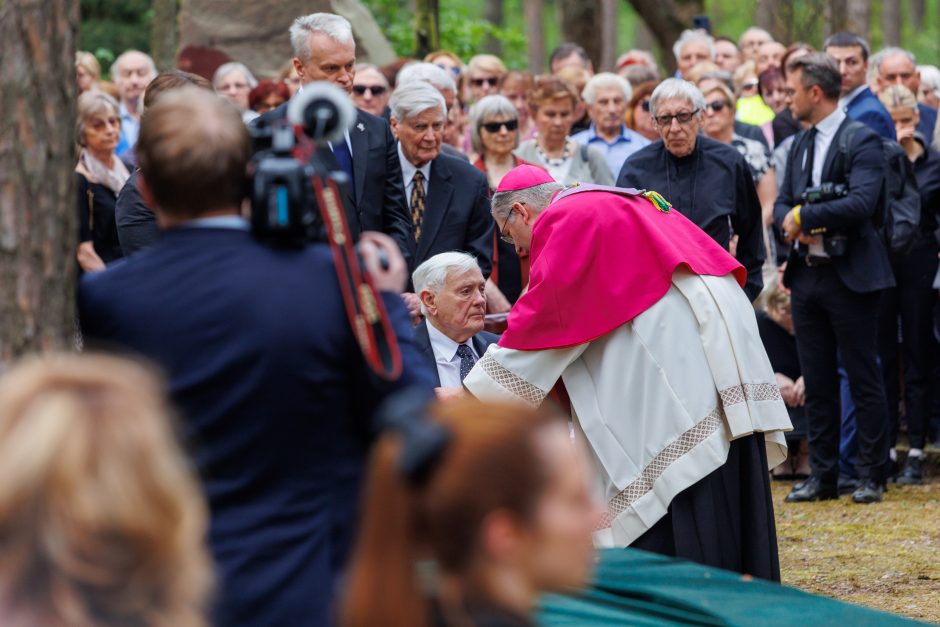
(489,82)
(494,127)
(683,118)
(717,106)
(749,85)
(375,90)
(502,230)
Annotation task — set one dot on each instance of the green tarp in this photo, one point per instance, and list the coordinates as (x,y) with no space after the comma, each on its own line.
(633,587)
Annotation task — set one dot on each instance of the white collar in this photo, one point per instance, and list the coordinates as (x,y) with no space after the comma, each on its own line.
(444,347)
(849,97)
(828,126)
(408,169)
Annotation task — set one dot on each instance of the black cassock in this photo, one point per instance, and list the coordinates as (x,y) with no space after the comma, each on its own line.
(713,187)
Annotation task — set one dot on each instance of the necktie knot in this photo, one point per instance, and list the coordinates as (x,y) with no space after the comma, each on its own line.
(419,176)
(466,360)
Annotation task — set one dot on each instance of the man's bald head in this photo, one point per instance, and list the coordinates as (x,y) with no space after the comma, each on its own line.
(192,152)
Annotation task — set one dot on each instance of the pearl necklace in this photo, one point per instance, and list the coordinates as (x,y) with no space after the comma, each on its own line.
(554,163)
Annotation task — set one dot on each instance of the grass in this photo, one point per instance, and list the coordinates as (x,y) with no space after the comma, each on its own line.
(885,556)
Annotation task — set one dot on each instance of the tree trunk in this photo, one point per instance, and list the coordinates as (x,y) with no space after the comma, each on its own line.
(776,17)
(493,13)
(667,19)
(164,32)
(38,233)
(918,14)
(427,32)
(891,23)
(535,34)
(579,20)
(858,16)
(610,48)
(835,16)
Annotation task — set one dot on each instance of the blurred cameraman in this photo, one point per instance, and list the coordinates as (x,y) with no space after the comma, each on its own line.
(837,269)
(324,50)
(275,395)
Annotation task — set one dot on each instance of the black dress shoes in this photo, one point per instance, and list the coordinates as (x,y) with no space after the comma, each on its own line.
(869,491)
(812,490)
(913,473)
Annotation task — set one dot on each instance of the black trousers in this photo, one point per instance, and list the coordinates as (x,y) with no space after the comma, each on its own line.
(907,316)
(829,317)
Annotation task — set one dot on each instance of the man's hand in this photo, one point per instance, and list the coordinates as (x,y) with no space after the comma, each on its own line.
(787,389)
(395,277)
(799,390)
(413,303)
(791,229)
(450,394)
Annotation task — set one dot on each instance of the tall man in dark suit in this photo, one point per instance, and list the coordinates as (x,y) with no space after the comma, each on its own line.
(836,270)
(324,50)
(448,197)
(851,53)
(453,301)
(274,393)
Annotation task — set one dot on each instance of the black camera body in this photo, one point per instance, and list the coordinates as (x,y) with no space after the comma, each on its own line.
(837,244)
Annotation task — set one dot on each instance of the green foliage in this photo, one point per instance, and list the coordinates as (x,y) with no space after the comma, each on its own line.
(109,27)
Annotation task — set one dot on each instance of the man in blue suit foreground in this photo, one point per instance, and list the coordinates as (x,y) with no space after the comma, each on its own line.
(859,103)
(275,396)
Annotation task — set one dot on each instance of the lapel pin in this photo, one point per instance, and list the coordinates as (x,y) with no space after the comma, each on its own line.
(361,126)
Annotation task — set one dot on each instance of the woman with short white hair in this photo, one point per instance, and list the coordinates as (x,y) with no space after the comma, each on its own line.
(234,81)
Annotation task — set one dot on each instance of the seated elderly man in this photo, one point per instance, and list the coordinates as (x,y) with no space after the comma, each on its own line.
(453,301)
(448,197)
(692,48)
(607,96)
(708,182)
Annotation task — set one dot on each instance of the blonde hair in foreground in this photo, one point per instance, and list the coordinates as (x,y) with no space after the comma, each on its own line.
(101,520)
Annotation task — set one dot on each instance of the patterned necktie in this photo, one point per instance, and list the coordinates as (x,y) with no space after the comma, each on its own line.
(417,203)
(466,360)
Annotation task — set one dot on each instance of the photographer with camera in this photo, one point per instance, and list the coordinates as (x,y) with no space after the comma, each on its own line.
(837,269)
(275,393)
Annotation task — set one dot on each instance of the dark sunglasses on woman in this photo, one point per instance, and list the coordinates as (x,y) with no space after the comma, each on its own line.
(493,127)
(376,90)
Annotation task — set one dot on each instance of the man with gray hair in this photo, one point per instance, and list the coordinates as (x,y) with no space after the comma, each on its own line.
(131,73)
(896,66)
(442,81)
(451,289)
(691,48)
(707,181)
(448,197)
(607,96)
(324,50)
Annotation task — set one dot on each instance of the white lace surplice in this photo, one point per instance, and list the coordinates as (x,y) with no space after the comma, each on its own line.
(658,399)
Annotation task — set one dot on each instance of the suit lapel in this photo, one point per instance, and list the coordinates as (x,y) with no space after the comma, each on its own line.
(436,206)
(423,340)
(359,138)
(479,345)
(833,150)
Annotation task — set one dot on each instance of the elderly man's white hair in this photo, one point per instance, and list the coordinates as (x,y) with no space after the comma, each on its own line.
(677,88)
(233,66)
(606,80)
(429,73)
(116,66)
(334,26)
(891,51)
(693,35)
(414,99)
(752,30)
(432,274)
(538,196)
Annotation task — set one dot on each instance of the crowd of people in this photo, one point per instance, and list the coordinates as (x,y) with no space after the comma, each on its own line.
(806,166)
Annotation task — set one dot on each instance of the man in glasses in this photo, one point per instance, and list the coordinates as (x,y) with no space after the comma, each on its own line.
(708,182)
(370,90)
(607,96)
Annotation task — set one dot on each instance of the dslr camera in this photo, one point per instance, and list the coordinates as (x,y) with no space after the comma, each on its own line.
(835,245)
(285,210)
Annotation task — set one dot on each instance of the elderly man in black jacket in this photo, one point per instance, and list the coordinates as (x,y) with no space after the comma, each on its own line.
(837,269)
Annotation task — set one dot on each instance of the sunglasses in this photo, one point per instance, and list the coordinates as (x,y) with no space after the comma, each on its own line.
(717,106)
(375,90)
(493,127)
(489,82)
(645,105)
(752,84)
(683,118)
(453,69)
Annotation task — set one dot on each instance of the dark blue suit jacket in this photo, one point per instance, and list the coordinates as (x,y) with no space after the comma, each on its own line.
(867,109)
(481,342)
(928,120)
(457,213)
(275,399)
(865,267)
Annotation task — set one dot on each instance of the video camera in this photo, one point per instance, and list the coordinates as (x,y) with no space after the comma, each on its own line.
(285,208)
(835,245)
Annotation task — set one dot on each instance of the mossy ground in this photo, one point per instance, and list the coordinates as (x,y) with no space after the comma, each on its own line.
(885,556)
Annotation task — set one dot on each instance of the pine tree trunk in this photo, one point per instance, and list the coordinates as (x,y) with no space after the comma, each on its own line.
(667,19)
(38,233)
(858,17)
(609,20)
(918,14)
(891,23)
(164,33)
(579,20)
(535,34)
(427,31)
(493,13)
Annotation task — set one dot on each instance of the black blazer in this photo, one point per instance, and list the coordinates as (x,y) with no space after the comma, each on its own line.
(376,199)
(457,213)
(865,267)
(481,342)
(274,396)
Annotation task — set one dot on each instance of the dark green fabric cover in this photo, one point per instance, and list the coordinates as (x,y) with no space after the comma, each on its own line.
(632,587)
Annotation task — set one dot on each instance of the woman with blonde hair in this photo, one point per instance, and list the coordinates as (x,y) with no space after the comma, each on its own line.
(468,516)
(484,73)
(87,71)
(101,520)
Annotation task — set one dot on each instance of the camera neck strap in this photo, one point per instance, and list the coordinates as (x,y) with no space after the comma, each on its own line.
(363,302)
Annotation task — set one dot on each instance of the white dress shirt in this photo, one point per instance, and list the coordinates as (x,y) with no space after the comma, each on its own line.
(826,130)
(408,174)
(849,97)
(445,354)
